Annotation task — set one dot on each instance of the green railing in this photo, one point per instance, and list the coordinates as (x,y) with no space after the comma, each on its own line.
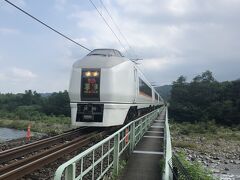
(103,158)
(167,149)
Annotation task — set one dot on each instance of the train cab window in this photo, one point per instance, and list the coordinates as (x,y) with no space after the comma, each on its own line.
(144,89)
(90,85)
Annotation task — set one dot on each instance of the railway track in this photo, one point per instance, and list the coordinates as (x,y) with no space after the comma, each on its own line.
(20,151)
(44,152)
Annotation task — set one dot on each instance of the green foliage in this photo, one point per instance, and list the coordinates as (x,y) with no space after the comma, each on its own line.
(195,169)
(49,125)
(183,144)
(57,104)
(122,164)
(209,129)
(162,165)
(205,99)
(32,106)
(49,114)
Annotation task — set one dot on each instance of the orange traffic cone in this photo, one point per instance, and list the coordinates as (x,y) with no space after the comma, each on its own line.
(28,133)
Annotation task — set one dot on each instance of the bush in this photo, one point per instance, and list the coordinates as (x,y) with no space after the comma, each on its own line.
(195,169)
(186,128)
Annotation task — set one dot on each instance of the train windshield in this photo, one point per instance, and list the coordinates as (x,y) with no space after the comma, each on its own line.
(105,52)
(90,85)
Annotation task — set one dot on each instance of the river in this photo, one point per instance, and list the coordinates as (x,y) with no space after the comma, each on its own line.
(7,134)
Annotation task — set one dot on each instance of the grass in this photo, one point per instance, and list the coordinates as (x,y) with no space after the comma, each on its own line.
(184,144)
(50,125)
(195,169)
(162,165)
(205,137)
(209,130)
(121,166)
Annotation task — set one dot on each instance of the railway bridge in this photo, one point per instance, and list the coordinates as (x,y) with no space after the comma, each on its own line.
(139,150)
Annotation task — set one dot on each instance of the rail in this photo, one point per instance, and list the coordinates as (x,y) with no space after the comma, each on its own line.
(20,151)
(29,164)
(103,157)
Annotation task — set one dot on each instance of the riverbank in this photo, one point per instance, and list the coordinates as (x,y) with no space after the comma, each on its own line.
(217,148)
(51,127)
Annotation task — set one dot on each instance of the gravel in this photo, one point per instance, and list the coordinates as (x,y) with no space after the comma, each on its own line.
(48,171)
(220,156)
(4,145)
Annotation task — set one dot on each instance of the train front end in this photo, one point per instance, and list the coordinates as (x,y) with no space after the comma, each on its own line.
(93,90)
(90,93)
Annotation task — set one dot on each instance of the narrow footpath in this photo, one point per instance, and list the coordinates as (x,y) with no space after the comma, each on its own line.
(144,162)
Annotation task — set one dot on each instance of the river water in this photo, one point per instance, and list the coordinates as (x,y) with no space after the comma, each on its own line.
(7,134)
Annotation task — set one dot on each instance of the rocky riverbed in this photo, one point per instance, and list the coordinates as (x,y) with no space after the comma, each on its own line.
(219,155)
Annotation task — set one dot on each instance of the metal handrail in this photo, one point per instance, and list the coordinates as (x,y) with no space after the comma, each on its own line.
(167,149)
(178,170)
(116,144)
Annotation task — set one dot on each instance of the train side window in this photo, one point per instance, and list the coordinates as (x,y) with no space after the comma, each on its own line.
(144,89)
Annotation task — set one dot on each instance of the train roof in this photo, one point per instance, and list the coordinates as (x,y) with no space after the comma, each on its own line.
(105,52)
(101,58)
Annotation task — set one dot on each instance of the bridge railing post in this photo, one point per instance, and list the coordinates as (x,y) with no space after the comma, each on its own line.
(70,172)
(132,137)
(142,127)
(116,153)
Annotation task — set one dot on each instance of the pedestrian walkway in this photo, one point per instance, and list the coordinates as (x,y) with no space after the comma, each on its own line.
(144,162)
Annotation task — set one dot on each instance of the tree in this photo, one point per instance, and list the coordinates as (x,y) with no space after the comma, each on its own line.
(32,103)
(205,99)
(57,104)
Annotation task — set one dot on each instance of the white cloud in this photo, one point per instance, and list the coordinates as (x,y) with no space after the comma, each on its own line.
(2,77)
(169,33)
(7,7)
(174,37)
(155,64)
(10,31)
(21,3)
(22,73)
(99,35)
(16,74)
(60,4)
(17,80)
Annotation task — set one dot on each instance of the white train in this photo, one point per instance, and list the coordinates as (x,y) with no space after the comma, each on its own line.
(107,89)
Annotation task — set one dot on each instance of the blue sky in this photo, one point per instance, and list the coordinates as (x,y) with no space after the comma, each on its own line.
(175,37)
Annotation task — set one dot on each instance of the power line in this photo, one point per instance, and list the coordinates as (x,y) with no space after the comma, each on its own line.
(107,24)
(56,31)
(119,30)
(133,60)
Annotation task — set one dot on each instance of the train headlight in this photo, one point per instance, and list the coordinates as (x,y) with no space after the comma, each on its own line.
(88,73)
(95,74)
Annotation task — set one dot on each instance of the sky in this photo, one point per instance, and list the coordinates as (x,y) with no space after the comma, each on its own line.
(174,37)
